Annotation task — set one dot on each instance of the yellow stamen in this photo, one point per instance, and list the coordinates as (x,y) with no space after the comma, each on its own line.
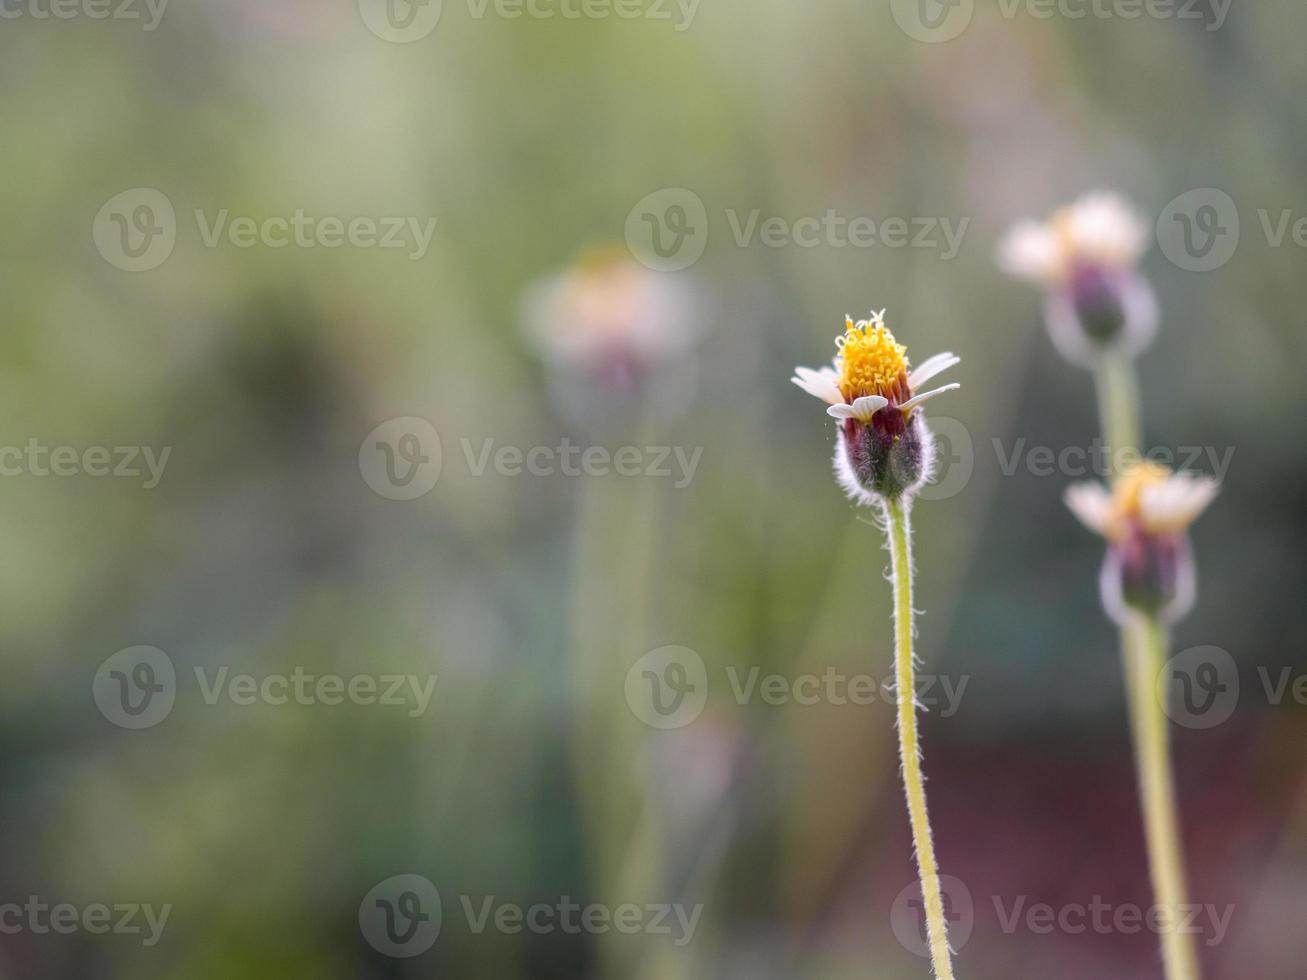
(872,362)
(1130,487)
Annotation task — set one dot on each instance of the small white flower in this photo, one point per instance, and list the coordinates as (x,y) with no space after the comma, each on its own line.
(1170,507)
(1092,505)
(1085,259)
(1101,229)
(608,308)
(1149,564)
(1148,497)
(885,449)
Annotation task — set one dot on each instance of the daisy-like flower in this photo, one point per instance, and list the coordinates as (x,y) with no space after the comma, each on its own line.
(609,318)
(1085,258)
(1145,519)
(884,446)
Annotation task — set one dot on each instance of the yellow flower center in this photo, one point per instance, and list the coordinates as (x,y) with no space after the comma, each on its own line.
(872,362)
(1130,487)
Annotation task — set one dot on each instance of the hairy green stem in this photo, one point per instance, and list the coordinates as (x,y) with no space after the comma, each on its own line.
(898,527)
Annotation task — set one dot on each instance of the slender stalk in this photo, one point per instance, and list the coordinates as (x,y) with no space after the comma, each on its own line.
(1143,650)
(1118,407)
(899,531)
(1146,654)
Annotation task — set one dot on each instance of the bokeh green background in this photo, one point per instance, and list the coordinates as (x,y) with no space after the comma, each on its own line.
(530,140)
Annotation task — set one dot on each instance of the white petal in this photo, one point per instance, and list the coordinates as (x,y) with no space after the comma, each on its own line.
(1092,505)
(840,411)
(1104,227)
(916,400)
(1032,251)
(867,406)
(930,367)
(1172,506)
(819,384)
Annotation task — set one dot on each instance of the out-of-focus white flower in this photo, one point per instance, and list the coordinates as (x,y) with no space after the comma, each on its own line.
(1100,229)
(611,319)
(1146,520)
(885,447)
(1085,258)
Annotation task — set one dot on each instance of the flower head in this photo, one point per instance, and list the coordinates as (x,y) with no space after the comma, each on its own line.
(884,445)
(1085,258)
(607,316)
(616,337)
(1146,519)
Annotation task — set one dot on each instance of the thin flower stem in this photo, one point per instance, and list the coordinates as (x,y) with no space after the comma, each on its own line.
(1146,654)
(1143,650)
(899,531)
(1118,406)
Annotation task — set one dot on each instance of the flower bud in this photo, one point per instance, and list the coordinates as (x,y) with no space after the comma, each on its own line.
(1085,258)
(885,449)
(888,457)
(1150,573)
(1149,566)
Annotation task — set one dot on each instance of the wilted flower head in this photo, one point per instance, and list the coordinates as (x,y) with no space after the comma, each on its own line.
(884,446)
(1085,259)
(610,318)
(1146,519)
